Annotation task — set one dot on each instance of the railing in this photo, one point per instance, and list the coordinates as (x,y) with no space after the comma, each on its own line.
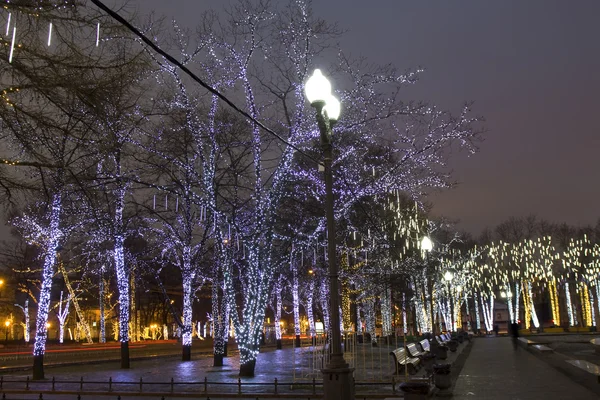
(197,389)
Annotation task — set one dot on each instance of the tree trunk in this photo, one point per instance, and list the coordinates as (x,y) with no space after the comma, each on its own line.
(123,285)
(41,332)
(186,330)
(124,355)
(38,367)
(249,361)
(102,335)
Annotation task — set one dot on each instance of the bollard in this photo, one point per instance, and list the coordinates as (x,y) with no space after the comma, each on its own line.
(393,385)
(275,385)
(78,397)
(41,397)
(110,384)
(239,386)
(1,381)
(53,384)
(314,387)
(141,383)
(205,385)
(81,384)
(171,385)
(27,383)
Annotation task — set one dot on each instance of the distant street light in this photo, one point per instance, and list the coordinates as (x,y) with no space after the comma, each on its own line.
(448,276)
(337,375)
(426,244)
(6,325)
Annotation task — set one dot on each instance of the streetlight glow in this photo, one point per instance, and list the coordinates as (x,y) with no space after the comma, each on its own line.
(317,88)
(332,108)
(7,323)
(448,276)
(426,244)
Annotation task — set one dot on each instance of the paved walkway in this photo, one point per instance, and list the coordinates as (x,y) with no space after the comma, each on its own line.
(495,370)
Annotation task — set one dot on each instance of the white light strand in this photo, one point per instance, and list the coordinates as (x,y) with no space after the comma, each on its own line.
(12,45)
(50,34)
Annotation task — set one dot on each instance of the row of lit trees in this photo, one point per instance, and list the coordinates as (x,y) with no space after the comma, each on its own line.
(101,131)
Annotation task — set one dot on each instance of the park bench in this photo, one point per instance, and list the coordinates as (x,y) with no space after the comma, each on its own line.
(414,351)
(542,348)
(442,339)
(401,358)
(425,345)
(586,366)
(526,342)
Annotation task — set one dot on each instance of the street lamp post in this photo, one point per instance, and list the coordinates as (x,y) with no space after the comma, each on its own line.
(448,276)
(426,247)
(338,382)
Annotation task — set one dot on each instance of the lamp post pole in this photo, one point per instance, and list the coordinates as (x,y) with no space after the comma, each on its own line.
(338,381)
(426,247)
(448,276)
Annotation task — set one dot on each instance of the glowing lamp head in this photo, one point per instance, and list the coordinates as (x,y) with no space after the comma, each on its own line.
(503,295)
(7,323)
(448,276)
(48,325)
(333,108)
(1,282)
(317,88)
(427,244)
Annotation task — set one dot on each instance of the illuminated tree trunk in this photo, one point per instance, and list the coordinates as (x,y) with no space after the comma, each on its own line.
(477,315)
(296,304)
(82,321)
(122,275)
(555,304)
(102,338)
(186,331)
(219,325)
(26,325)
(386,312)
(136,329)
(369,307)
(63,313)
(309,308)
(571,314)
(277,316)
(324,299)
(41,331)
(517,298)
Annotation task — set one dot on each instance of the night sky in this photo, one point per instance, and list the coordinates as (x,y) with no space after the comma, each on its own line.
(530,67)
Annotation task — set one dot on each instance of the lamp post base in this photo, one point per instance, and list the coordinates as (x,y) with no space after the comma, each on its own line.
(338,383)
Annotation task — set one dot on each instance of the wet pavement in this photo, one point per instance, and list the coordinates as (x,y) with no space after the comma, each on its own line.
(494,370)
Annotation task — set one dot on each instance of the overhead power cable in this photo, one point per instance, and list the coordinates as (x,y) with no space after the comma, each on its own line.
(173,61)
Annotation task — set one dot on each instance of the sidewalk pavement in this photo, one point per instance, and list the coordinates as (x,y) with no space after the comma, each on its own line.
(495,370)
